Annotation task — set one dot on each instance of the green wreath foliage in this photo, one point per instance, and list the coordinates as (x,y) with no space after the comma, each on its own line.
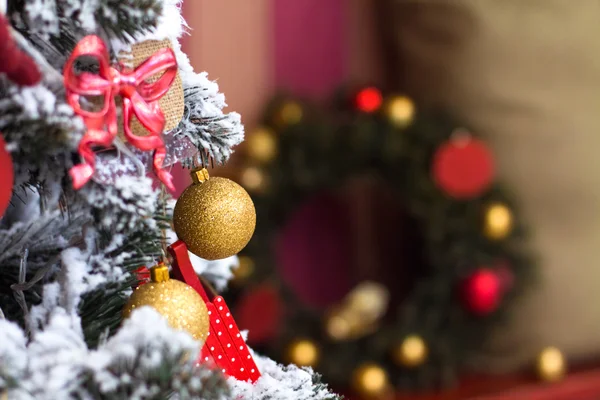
(330,145)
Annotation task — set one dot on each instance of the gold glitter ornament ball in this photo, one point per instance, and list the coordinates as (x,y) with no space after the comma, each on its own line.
(178,302)
(215,217)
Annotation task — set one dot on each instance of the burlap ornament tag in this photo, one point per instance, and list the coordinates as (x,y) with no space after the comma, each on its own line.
(171,103)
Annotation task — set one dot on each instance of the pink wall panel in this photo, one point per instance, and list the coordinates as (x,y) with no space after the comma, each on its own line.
(309,50)
(307,46)
(364,61)
(231,39)
(255,47)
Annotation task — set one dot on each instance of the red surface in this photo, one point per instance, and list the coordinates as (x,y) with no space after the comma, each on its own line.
(583,384)
(224,347)
(481,292)
(463,167)
(6,176)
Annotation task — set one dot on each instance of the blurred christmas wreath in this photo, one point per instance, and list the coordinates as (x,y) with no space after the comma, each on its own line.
(386,249)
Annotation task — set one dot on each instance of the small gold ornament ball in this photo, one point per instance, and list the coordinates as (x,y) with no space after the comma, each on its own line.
(289,113)
(254,180)
(411,352)
(551,365)
(498,221)
(244,270)
(303,353)
(215,217)
(262,145)
(338,326)
(370,380)
(178,302)
(400,110)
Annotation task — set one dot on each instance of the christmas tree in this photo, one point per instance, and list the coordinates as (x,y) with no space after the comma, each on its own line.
(96,98)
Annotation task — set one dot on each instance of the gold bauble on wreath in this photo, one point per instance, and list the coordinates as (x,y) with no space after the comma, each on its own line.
(551,365)
(244,271)
(303,353)
(214,217)
(261,145)
(178,302)
(400,110)
(338,326)
(370,380)
(498,221)
(288,113)
(411,352)
(254,180)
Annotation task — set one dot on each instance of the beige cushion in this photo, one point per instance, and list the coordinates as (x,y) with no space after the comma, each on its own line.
(526,74)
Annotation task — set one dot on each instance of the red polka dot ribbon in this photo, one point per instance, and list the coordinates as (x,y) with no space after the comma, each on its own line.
(225,347)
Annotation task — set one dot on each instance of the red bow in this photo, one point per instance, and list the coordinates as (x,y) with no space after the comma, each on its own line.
(139,97)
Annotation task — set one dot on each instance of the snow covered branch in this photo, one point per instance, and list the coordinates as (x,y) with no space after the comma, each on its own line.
(146,359)
(121,19)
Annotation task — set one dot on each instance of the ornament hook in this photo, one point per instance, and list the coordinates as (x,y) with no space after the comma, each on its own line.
(199,175)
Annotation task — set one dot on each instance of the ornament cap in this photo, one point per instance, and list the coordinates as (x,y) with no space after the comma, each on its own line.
(159,273)
(199,175)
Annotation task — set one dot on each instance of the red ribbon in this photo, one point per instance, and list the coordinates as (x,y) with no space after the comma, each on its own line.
(140,98)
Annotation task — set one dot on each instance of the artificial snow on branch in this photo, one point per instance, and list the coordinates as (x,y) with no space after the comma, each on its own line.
(30,113)
(145,360)
(41,131)
(128,204)
(205,124)
(282,383)
(30,252)
(204,127)
(100,307)
(13,360)
(130,219)
(118,18)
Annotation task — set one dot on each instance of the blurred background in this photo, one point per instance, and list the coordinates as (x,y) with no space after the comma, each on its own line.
(427,186)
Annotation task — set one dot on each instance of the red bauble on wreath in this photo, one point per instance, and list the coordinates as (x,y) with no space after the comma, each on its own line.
(260,311)
(463,167)
(368,100)
(481,292)
(6,177)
